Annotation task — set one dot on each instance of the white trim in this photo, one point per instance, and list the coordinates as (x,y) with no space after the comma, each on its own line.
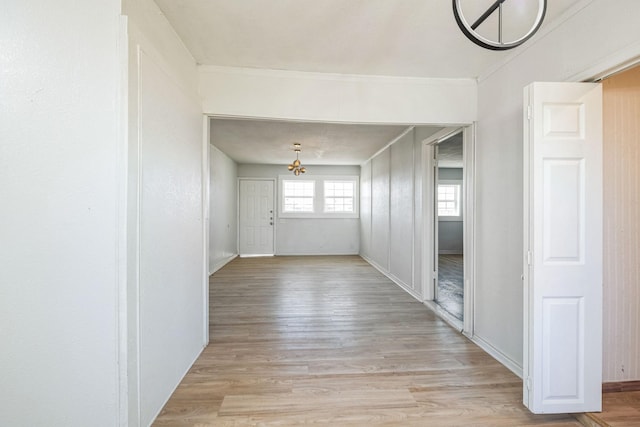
(615,63)
(468,213)
(206,192)
(318,197)
(393,141)
(394,279)
(309,75)
(255,255)
(453,321)
(317,254)
(469,227)
(221,263)
(135,409)
(122,165)
(184,374)
(498,355)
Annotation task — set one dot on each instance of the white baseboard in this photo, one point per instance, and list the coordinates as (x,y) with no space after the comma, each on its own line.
(393,278)
(221,263)
(184,374)
(444,315)
(498,355)
(316,254)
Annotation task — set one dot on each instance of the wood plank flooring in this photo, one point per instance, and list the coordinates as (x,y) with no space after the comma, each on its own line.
(619,409)
(451,284)
(331,341)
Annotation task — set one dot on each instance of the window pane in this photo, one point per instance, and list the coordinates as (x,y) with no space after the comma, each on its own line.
(449,200)
(338,196)
(298,196)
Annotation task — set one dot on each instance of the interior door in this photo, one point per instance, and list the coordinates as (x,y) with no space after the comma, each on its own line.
(563,247)
(256,217)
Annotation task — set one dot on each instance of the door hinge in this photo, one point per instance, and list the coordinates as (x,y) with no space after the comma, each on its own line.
(528,112)
(528,383)
(528,257)
(434,274)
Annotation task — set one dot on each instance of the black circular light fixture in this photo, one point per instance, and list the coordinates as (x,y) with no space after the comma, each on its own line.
(499,24)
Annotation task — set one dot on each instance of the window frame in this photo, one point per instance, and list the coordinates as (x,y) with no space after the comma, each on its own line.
(313,196)
(460,197)
(319,196)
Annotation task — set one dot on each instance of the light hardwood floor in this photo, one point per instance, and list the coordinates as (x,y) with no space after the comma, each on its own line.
(331,341)
(451,284)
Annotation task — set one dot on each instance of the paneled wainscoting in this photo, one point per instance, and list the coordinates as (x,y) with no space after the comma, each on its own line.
(331,341)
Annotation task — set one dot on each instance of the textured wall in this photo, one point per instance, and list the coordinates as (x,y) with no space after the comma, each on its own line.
(167,267)
(621,105)
(591,38)
(223,209)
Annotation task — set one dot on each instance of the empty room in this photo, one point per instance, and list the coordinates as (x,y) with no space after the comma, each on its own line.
(345,213)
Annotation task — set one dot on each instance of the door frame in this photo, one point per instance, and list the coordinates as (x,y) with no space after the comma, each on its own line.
(469,220)
(275,205)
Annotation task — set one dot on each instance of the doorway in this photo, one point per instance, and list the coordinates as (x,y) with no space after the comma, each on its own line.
(449,201)
(449,226)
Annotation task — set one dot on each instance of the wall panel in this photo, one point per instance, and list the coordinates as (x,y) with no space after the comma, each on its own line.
(401,210)
(365,209)
(380,167)
(171,240)
(621,109)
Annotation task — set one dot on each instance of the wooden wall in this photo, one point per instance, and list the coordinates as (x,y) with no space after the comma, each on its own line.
(622,226)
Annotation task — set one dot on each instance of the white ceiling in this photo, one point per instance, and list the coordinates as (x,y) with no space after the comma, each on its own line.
(372,37)
(271,142)
(450,153)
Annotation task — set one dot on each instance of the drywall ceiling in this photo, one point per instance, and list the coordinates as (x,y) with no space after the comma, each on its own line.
(450,152)
(418,38)
(271,141)
(372,37)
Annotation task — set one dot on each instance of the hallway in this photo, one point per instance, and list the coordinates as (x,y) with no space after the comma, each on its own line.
(331,341)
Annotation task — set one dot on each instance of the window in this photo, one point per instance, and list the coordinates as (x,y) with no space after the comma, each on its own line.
(298,196)
(317,196)
(449,200)
(338,196)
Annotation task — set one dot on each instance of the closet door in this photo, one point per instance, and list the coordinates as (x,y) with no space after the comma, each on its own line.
(563,247)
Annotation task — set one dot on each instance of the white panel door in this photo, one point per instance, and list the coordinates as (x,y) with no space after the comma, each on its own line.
(563,247)
(256,217)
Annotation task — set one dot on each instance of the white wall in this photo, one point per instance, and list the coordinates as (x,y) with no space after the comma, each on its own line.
(401,210)
(166,231)
(310,236)
(593,36)
(365,209)
(380,176)
(60,231)
(223,209)
(391,210)
(333,97)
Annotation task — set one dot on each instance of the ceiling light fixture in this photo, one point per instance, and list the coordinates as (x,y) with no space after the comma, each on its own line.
(296,167)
